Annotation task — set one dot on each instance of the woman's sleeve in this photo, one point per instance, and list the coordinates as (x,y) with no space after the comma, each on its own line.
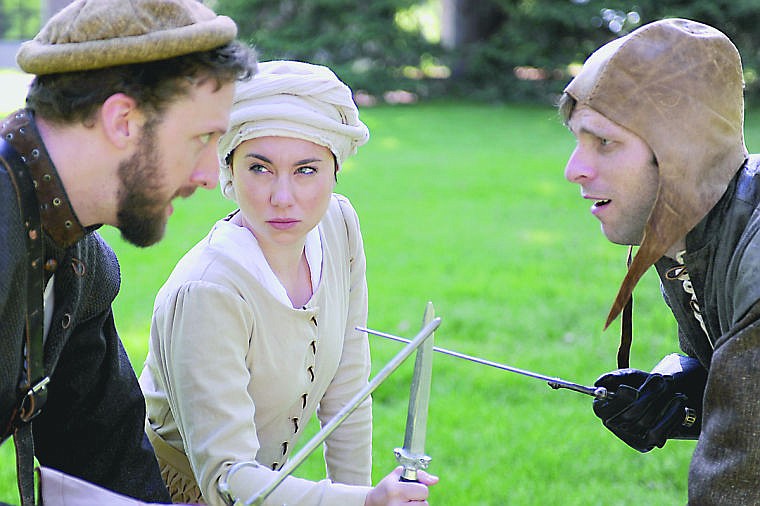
(349,449)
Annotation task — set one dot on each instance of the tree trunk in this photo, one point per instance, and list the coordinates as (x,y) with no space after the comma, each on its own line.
(467,21)
(463,23)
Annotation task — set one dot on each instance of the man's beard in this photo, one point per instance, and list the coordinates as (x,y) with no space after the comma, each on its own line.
(142,206)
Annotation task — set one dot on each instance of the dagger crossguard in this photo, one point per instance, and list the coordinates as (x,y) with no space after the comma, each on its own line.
(412,463)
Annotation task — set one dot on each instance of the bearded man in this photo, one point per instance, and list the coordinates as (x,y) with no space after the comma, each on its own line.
(658,118)
(122,117)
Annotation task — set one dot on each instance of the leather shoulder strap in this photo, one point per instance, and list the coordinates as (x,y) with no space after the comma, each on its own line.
(32,384)
(626,327)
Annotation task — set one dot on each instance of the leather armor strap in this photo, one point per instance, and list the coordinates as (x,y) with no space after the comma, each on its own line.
(626,328)
(57,215)
(33,382)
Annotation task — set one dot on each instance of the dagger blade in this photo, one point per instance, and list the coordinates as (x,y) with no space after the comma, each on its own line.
(412,455)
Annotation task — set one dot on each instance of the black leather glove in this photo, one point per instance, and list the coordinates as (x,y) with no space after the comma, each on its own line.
(647,409)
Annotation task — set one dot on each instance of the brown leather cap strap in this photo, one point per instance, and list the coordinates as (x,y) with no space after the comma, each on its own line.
(626,327)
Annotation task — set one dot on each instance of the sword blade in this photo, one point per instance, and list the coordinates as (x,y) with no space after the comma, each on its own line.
(554,382)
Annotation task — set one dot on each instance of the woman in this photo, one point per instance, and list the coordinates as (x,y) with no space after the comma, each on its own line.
(254,331)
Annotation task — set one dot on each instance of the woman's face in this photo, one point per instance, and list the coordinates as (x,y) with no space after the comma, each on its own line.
(283,187)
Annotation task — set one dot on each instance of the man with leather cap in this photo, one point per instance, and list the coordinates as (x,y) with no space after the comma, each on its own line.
(658,118)
(122,117)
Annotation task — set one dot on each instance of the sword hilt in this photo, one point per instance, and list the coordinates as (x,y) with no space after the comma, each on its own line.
(599,393)
(412,463)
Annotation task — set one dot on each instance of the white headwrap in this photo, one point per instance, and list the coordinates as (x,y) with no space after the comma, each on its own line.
(292,99)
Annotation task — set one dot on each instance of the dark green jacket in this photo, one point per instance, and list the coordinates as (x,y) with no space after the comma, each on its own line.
(92,425)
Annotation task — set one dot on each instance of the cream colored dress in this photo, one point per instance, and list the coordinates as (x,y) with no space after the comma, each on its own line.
(233,374)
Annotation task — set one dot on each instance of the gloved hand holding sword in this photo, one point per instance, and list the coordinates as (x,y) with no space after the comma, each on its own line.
(642,409)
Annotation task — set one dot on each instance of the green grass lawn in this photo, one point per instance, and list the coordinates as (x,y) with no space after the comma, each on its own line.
(465,205)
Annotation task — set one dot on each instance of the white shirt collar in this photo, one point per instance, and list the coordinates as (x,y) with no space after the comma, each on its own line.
(247,253)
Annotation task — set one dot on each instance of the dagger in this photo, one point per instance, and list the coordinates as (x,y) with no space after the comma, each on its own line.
(258,498)
(412,455)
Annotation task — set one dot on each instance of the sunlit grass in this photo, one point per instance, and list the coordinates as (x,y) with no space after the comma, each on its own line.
(466,205)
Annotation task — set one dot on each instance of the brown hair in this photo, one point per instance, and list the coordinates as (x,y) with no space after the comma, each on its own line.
(72,97)
(565,107)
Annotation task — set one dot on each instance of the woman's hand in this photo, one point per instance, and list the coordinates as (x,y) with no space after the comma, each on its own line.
(390,491)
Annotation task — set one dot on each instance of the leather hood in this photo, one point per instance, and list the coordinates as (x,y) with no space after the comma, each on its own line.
(678,85)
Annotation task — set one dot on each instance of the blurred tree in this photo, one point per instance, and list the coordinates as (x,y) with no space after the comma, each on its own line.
(526,56)
(361,41)
(19,19)
(465,24)
(507,50)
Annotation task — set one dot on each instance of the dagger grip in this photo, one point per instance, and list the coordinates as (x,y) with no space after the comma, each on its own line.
(409,476)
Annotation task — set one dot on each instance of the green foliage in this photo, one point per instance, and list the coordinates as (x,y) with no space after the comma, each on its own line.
(539,35)
(520,50)
(360,41)
(19,19)
(547,35)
